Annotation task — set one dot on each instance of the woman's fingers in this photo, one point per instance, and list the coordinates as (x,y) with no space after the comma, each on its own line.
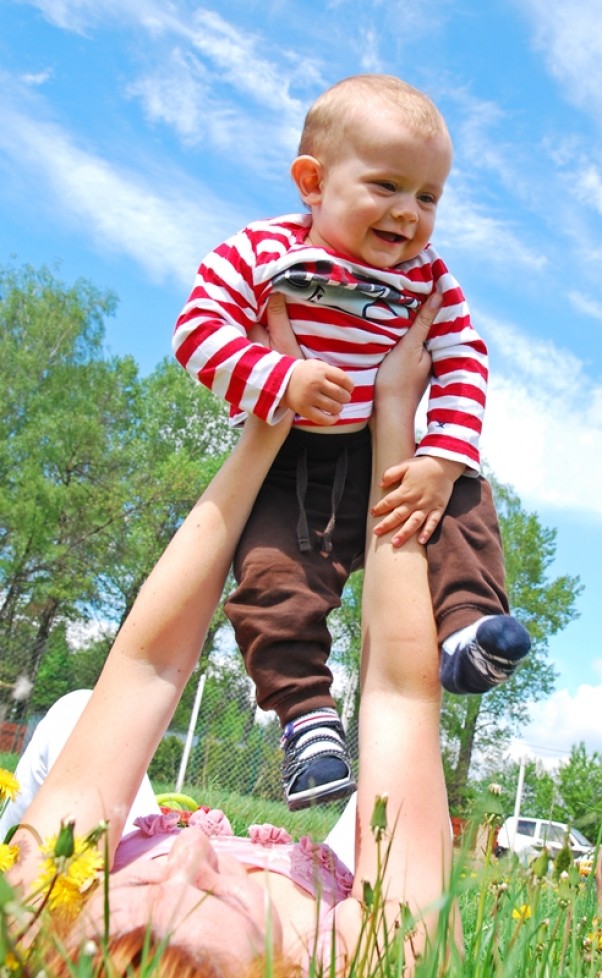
(281,336)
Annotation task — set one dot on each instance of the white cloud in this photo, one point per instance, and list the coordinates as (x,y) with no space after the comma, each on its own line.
(589,186)
(586,304)
(561,722)
(463,225)
(37,79)
(182,94)
(543,429)
(79,15)
(156,223)
(568,34)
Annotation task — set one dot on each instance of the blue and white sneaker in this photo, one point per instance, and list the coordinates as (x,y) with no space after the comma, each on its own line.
(316,766)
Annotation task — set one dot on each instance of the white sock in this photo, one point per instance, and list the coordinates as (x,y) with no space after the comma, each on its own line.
(463,636)
(317,738)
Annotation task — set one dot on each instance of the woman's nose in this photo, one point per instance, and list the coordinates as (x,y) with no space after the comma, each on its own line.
(191,853)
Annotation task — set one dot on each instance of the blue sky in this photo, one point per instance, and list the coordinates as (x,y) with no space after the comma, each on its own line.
(137,134)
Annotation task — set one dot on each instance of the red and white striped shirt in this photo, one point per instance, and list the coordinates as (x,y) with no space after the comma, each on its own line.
(342,312)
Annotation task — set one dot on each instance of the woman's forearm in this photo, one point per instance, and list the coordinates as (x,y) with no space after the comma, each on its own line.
(98,773)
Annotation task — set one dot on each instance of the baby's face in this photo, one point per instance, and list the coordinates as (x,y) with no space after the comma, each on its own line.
(378,196)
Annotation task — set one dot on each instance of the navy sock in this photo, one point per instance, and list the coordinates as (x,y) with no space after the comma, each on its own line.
(488,659)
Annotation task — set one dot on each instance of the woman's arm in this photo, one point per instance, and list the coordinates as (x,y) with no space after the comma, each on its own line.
(98,773)
(399,744)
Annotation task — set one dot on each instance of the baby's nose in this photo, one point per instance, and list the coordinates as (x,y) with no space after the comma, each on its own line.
(404,208)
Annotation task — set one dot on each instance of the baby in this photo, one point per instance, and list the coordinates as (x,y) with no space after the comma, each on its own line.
(373,161)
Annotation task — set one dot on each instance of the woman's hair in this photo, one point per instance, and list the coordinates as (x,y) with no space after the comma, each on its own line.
(140,954)
(333,117)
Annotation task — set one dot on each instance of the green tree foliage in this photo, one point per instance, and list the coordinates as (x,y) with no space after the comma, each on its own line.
(97,466)
(580,787)
(64,413)
(545,606)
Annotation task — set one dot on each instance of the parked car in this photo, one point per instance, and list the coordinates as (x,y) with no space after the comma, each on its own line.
(527,837)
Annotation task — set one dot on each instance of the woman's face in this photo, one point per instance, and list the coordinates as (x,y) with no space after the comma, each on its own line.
(199,900)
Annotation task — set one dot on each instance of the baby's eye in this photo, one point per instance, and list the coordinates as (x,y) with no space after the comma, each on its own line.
(386,185)
(428,198)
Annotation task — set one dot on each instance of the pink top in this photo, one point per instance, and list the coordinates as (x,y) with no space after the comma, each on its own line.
(312,866)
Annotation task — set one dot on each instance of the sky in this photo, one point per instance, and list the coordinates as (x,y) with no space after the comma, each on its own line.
(135,135)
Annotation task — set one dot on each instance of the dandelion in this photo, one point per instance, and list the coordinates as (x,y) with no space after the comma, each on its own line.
(8,856)
(9,786)
(522,913)
(11,962)
(68,879)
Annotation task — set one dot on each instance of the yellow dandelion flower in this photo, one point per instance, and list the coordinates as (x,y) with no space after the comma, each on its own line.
(8,856)
(522,913)
(595,938)
(10,962)
(9,786)
(69,879)
(66,900)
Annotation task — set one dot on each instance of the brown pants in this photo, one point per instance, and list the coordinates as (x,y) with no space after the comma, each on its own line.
(317,488)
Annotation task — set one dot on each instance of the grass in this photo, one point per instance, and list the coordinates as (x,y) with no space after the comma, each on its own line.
(245,810)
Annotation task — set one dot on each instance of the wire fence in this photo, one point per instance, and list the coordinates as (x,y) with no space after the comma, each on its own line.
(218,739)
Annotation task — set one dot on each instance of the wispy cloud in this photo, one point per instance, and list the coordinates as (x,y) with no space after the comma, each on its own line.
(182,94)
(586,304)
(80,15)
(464,225)
(36,79)
(160,225)
(569,37)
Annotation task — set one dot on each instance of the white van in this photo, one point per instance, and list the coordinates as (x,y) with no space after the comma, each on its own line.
(527,836)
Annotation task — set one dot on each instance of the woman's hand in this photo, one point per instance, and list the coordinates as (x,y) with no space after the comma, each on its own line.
(316,390)
(417,489)
(405,371)
(278,335)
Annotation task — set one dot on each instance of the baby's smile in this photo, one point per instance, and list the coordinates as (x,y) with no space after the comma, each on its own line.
(390,236)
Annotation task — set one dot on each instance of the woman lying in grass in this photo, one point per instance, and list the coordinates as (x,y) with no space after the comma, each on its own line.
(216,905)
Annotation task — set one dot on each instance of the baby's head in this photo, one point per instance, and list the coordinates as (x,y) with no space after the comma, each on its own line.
(331,123)
(373,159)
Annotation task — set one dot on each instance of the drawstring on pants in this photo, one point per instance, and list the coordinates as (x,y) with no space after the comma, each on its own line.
(338,487)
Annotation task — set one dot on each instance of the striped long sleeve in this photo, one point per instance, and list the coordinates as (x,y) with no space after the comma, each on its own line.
(343,312)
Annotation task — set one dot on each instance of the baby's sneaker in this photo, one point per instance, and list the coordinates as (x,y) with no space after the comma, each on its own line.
(316,766)
(483,655)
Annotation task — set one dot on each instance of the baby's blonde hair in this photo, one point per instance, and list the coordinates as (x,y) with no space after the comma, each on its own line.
(332,119)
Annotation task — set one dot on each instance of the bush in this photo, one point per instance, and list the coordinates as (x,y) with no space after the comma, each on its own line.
(165,765)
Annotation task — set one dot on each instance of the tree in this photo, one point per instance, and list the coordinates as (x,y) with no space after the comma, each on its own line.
(540,796)
(580,787)
(64,411)
(180,440)
(479,725)
(97,467)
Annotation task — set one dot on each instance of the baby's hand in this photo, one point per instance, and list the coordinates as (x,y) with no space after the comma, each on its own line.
(317,391)
(423,486)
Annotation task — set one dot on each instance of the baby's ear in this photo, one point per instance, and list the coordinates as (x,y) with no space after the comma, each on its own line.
(307,172)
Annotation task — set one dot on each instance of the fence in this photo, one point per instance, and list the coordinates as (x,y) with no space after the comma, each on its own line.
(218,738)
(229,744)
